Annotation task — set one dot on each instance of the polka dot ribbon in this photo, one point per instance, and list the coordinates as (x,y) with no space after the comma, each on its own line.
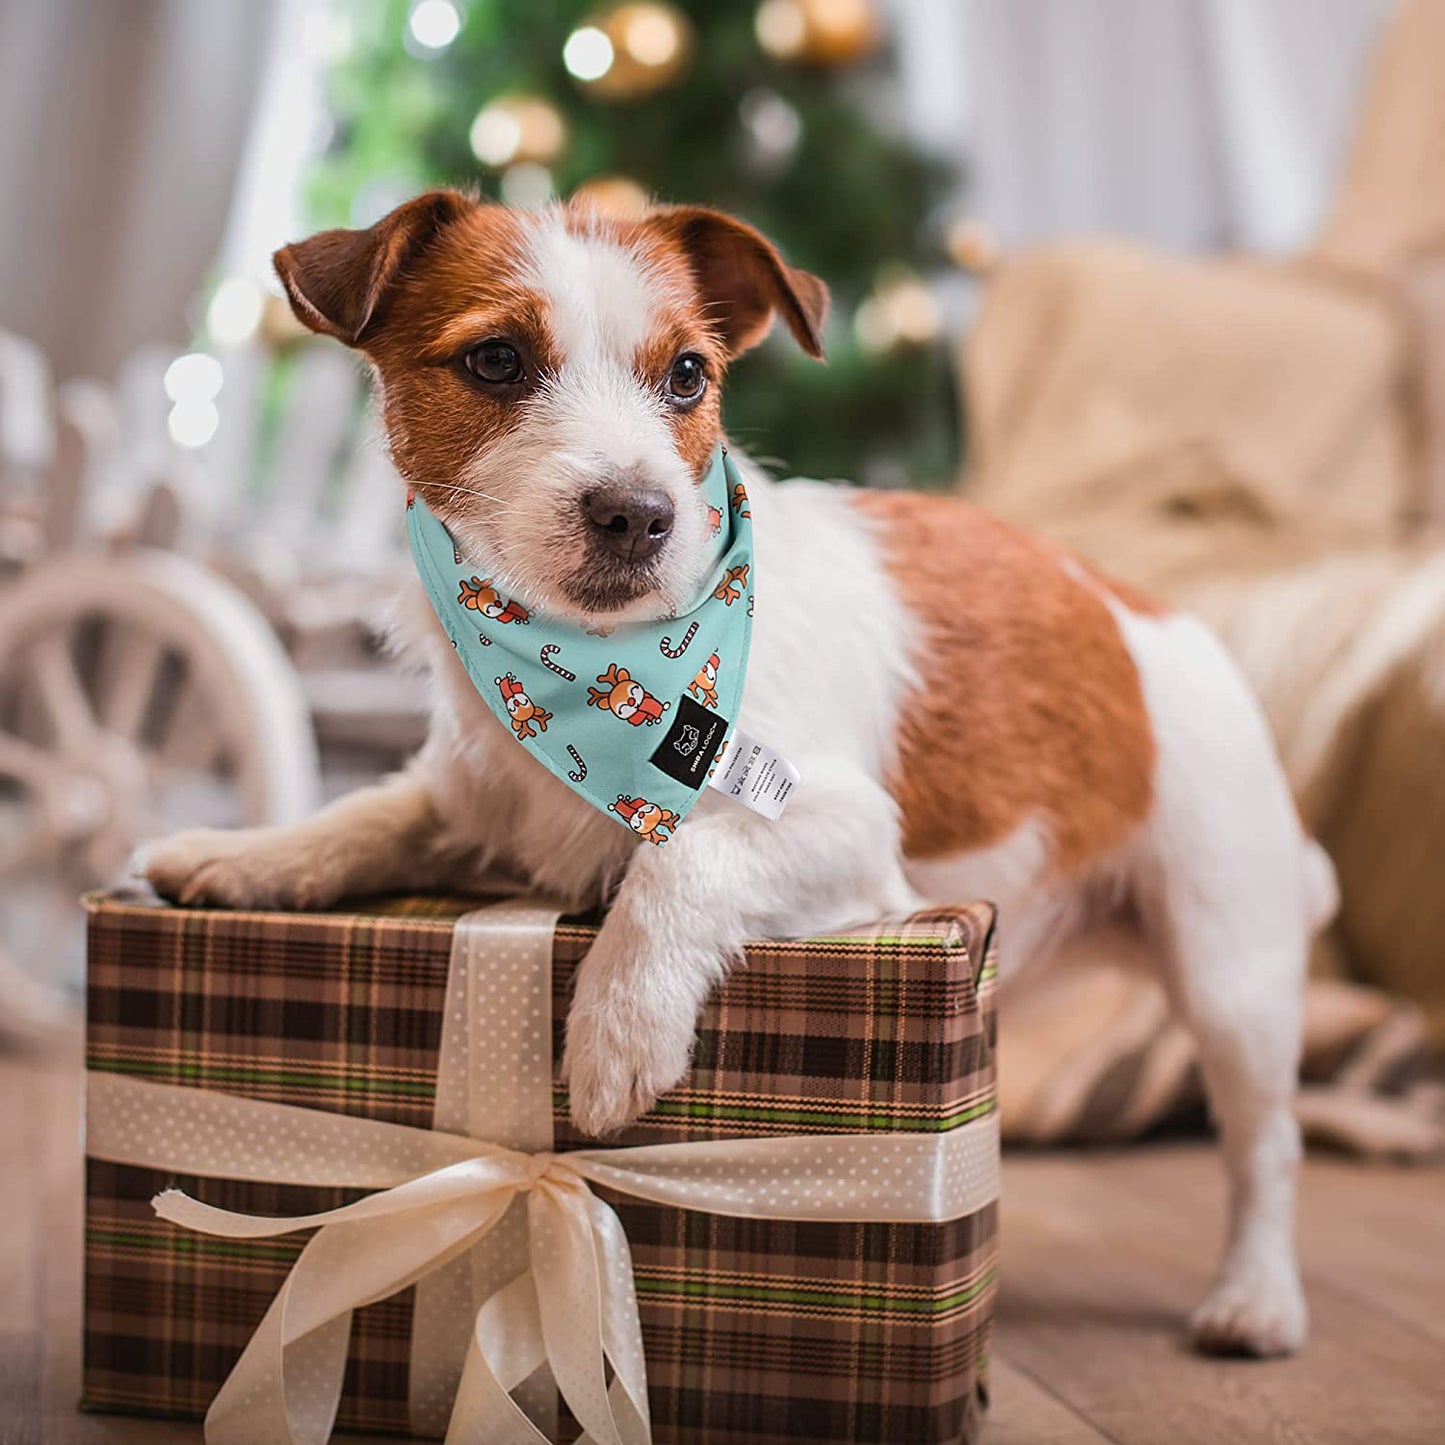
(441,1196)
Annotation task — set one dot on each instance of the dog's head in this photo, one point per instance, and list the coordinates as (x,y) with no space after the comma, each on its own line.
(550,381)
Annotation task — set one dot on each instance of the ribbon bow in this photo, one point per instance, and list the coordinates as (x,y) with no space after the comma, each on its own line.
(574,1305)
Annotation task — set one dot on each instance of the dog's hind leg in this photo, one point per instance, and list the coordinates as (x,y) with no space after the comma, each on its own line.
(1228,889)
(1241,1001)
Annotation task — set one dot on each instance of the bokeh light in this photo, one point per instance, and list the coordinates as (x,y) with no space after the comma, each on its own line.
(196,376)
(235,311)
(588,53)
(434,24)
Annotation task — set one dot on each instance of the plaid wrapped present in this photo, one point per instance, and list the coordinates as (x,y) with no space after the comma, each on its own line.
(755,1330)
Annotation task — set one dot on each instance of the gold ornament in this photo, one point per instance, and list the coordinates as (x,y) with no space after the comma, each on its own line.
(518,129)
(973,244)
(618,197)
(819,32)
(900,313)
(630,51)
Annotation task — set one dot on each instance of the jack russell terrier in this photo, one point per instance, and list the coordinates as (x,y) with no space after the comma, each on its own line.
(972,712)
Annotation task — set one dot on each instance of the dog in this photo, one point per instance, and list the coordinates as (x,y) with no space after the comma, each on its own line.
(998,721)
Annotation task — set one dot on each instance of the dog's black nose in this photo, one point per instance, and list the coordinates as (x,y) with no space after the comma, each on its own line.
(630,522)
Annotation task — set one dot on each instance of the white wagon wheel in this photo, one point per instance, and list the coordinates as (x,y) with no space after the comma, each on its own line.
(138,693)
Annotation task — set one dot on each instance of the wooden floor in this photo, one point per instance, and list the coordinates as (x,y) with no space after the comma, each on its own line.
(1103,1254)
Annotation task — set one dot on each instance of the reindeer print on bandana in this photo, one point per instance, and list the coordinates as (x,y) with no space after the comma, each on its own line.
(639,742)
(646,819)
(623,696)
(522,712)
(704,686)
(484,598)
(731,587)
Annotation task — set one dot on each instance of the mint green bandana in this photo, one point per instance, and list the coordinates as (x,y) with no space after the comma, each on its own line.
(631,718)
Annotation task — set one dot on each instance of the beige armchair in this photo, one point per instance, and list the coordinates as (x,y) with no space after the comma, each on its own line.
(1264,441)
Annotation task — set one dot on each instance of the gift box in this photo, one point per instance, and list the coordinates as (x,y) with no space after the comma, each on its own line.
(798,1326)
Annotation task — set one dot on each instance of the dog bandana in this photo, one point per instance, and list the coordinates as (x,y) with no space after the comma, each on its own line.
(631,717)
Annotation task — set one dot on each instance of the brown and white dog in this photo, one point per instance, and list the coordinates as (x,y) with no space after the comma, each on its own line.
(995,720)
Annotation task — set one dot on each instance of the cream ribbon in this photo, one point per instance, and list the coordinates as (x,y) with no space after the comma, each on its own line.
(440,1193)
(493,1082)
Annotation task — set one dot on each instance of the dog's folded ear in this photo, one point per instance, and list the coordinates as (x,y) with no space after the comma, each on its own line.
(336,280)
(743,279)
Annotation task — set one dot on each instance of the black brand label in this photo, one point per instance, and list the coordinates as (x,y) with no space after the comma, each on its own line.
(686,753)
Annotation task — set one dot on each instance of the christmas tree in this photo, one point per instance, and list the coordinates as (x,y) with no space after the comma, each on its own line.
(767,110)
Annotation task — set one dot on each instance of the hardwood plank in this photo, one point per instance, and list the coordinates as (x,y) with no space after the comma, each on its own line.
(27,1078)
(20,1366)
(1024,1412)
(19,1208)
(1098,1278)
(1368,1230)
(1363,1228)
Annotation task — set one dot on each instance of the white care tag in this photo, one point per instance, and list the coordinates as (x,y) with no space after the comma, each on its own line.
(754,775)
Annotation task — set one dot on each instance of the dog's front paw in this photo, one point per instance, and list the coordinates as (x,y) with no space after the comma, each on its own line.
(1257,1311)
(247,869)
(618,1062)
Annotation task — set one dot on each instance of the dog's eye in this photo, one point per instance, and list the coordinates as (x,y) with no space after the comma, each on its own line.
(495,361)
(687,380)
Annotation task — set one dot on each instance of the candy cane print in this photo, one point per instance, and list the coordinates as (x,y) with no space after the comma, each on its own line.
(547,662)
(580,773)
(668,650)
(484,639)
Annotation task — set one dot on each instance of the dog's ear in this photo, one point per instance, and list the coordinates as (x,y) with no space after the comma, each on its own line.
(336,280)
(743,279)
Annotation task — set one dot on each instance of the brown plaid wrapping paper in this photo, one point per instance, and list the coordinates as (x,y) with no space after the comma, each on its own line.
(755,1331)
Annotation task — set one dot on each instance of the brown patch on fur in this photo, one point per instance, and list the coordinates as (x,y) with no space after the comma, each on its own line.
(740,277)
(522,319)
(719,283)
(440,275)
(1030,703)
(338,280)
(438,418)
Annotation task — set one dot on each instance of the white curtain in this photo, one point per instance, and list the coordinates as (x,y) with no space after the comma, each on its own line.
(121,129)
(1193,124)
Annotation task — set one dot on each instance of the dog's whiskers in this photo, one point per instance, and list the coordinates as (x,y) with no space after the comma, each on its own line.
(467,491)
